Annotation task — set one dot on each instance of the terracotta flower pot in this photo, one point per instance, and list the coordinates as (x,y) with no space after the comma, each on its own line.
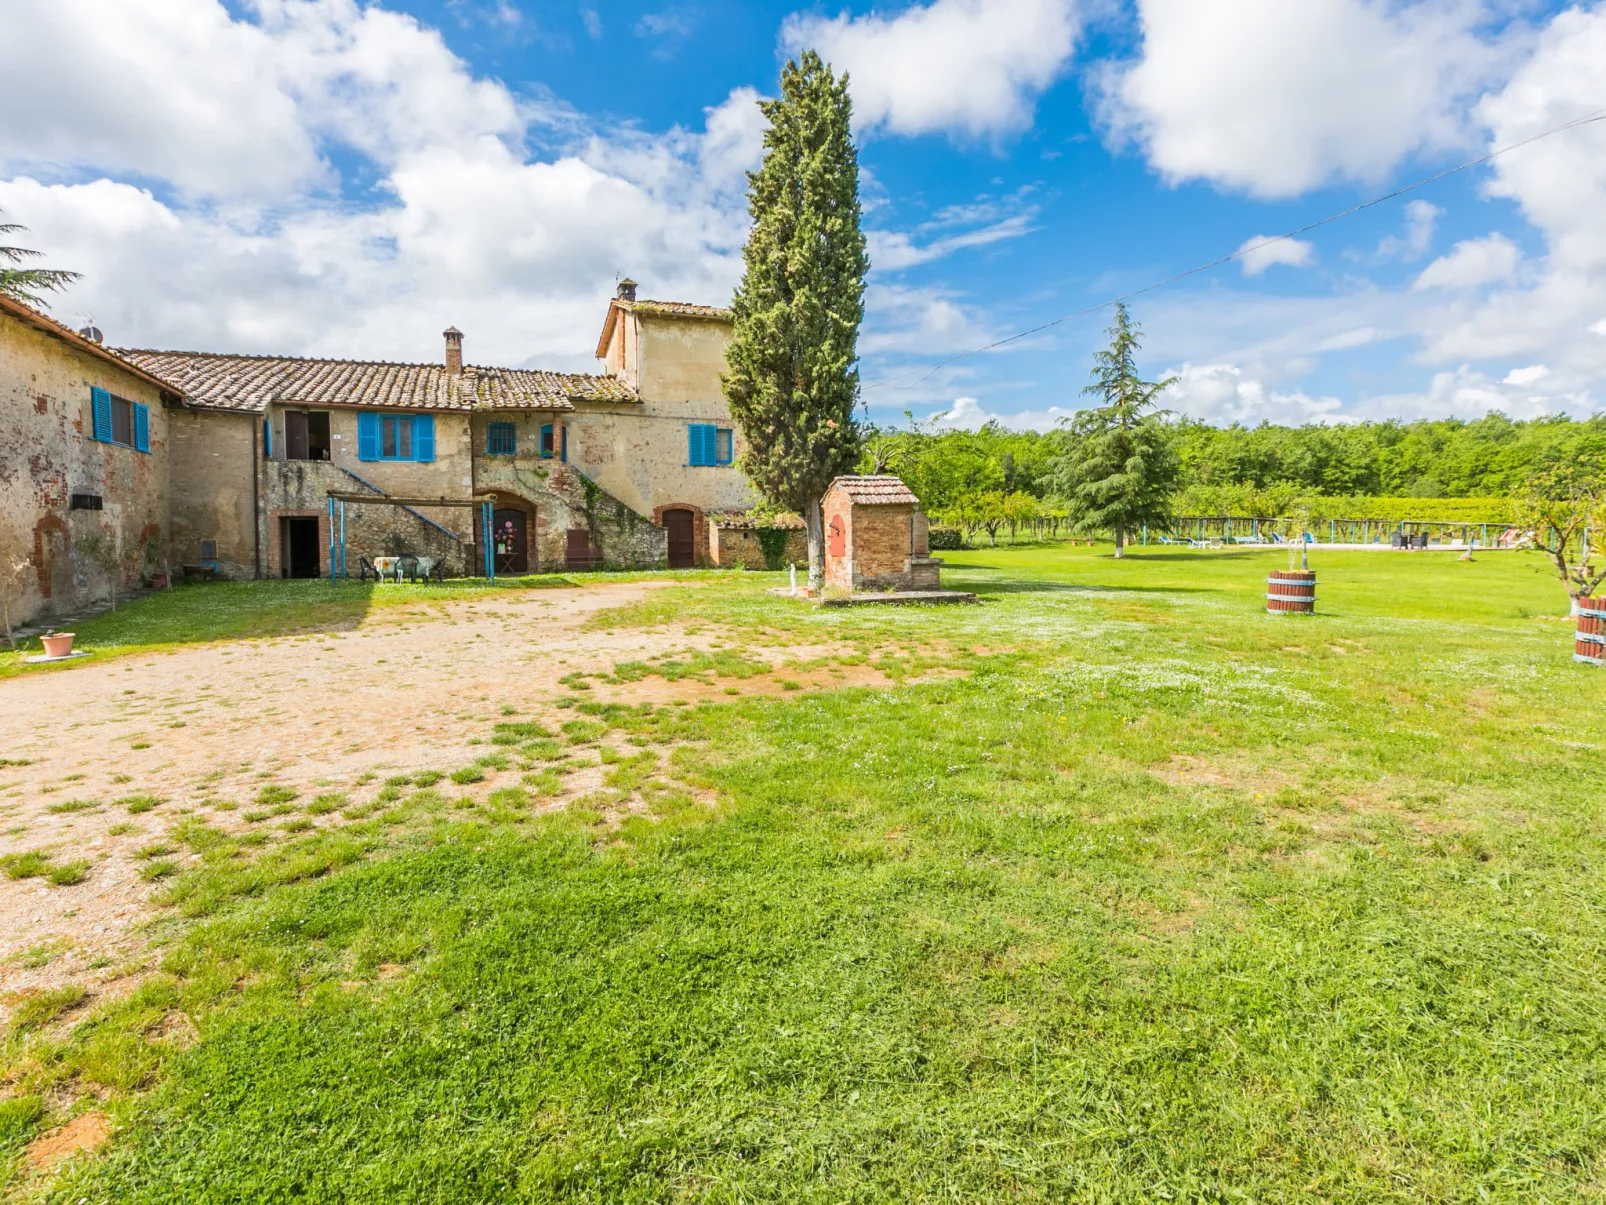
(57,645)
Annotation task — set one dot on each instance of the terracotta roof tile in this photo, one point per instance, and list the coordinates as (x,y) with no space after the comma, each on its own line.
(681,309)
(250,383)
(876,491)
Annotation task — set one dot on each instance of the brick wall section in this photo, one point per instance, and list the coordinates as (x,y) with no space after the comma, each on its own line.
(885,547)
(879,543)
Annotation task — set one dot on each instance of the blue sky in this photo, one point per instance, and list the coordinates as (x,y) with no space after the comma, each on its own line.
(331,178)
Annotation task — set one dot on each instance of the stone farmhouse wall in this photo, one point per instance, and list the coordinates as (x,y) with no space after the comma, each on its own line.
(48,455)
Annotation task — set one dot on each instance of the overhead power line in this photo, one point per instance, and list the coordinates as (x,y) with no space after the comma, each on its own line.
(931,370)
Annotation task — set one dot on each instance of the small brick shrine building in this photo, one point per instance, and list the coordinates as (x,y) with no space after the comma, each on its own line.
(876,537)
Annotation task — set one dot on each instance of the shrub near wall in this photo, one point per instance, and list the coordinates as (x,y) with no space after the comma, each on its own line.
(946,539)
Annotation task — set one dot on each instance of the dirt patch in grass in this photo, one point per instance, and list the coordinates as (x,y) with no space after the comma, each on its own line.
(86,1132)
(1187,770)
(266,740)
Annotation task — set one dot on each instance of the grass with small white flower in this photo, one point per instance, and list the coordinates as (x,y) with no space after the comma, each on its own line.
(1122,891)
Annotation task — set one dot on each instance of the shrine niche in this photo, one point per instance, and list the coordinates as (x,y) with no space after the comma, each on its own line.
(876,538)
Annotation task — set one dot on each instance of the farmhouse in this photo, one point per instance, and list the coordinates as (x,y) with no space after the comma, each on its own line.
(224,464)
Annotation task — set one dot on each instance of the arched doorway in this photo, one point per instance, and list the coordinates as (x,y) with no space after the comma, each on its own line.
(682,527)
(510,538)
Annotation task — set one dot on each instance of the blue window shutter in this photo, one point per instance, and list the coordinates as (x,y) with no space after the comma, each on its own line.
(142,428)
(424,437)
(698,452)
(368,437)
(563,450)
(546,440)
(101,405)
(706,432)
(267,438)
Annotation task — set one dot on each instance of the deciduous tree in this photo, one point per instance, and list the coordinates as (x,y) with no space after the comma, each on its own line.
(793,379)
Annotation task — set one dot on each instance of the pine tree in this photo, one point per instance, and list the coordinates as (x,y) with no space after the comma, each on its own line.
(792,382)
(26,284)
(1119,469)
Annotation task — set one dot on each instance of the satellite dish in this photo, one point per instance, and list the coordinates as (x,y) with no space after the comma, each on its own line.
(92,333)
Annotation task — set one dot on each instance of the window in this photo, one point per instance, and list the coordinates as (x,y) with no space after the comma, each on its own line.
(208,550)
(116,420)
(85,502)
(306,435)
(396,437)
(546,444)
(709,445)
(501,439)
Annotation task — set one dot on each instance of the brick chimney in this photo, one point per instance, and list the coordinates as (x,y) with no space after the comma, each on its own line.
(627,289)
(454,351)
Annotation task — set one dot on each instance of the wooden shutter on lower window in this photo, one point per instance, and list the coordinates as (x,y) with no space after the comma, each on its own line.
(100,404)
(368,437)
(142,428)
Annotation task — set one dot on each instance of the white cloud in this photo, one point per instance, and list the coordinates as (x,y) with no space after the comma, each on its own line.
(1471,263)
(971,67)
(1421,221)
(233,247)
(1531,375)
(1228,393)
(1275,98)
(968,414)
(1261,252)
(1465,392)
(891,250)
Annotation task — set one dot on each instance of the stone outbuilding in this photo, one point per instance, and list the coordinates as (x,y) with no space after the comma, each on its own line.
(876,537)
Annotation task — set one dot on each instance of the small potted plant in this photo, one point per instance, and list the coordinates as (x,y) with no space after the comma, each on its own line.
(57,644)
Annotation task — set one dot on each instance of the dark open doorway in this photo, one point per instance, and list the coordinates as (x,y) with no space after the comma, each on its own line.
(299,545)
(681,524)
(511,541)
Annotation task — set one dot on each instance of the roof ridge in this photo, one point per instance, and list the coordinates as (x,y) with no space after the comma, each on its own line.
(264,358)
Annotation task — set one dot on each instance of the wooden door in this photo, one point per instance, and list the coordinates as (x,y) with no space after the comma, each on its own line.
(681,524)
(509,537)
(295,435)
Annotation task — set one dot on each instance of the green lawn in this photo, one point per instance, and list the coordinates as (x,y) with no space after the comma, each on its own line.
(1159,899)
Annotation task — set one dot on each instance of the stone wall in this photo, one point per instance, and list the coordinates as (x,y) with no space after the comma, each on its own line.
(300,489)
(560,497)
(212,463)
(47,455)
(739,548)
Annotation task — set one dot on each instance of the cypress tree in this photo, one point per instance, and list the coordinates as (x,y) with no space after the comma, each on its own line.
(1119,469)
(793,382)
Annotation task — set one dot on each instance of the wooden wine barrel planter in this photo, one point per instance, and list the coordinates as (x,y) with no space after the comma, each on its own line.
(1291,592)
(1589,639)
